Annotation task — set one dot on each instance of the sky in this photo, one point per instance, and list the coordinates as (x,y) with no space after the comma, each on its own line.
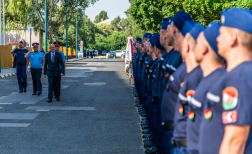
(114,8)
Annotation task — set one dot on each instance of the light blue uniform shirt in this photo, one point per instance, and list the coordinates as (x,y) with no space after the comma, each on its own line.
(63,57)
(36,59)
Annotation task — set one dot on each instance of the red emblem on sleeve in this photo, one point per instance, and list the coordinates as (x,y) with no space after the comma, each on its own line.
(229,117)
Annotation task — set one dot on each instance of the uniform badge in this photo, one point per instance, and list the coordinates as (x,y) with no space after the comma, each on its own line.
(162,74)
(32,54)
(181,109)
(208,114)
(229,117)
(229,98)
(191,115)
(148,75)
(166,74)
(146,70)
(181,84)
(189,94)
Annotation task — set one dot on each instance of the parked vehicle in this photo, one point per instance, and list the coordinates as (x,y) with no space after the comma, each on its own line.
(104,53)
(96,52)
(120,53)
(111,54)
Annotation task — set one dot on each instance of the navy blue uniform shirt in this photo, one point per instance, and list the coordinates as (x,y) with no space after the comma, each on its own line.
(144,67)
(148,66)
(151,75)
(171,93)
(141,62)
(191,82)
(197,104)
(162,72)
(228,103)
(20,55)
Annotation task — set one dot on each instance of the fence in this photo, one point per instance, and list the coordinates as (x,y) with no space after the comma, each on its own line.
(71,52)
(6,57)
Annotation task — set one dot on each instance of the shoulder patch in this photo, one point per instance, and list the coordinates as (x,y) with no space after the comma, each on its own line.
(229,117)
(229,98)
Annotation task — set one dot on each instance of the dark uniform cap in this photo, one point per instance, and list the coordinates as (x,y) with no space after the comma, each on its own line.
(134,44)
(187,27)
(237,18)
(166,19)
(154,39)
(35,44)
(195,31)
(148,35)
(21,42)
(57,44)
(166,23)
(211,33)
(180,18)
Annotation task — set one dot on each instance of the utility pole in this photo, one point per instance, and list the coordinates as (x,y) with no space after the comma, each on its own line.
(0,24)
(66,34)
(3,23)
(76,32)
(84,31)
(45,25)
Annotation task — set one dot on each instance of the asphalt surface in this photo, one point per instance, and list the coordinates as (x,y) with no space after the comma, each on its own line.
(95,115)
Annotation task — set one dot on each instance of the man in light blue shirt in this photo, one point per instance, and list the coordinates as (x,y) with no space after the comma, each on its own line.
(37,67)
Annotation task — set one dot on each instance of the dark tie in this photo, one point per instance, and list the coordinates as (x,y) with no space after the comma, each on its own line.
(52,57)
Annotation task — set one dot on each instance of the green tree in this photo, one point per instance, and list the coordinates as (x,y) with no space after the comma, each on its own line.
(23,13)
(102,15)
(148,14)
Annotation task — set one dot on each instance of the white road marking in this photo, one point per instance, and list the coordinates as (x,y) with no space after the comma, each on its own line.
(28,116)
(14,124)
(59,108)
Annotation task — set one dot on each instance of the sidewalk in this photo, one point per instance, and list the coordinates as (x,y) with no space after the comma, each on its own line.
(6,72)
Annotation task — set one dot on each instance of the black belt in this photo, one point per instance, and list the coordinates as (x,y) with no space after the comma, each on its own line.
(179,142)
(21,63)
(167,126)
(155,100)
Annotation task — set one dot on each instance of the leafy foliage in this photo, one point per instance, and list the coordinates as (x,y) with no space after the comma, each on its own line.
(102,15)
(149,13)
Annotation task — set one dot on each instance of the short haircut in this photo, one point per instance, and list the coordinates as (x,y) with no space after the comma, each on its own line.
(212,52)
(190,40)
(244,37)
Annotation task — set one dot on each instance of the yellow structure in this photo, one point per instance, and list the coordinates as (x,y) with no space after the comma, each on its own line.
(71,52)
(6,57)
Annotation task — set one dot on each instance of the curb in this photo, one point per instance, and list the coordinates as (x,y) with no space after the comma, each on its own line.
(11,74)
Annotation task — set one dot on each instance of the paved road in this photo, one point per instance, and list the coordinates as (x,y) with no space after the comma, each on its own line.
(96,114)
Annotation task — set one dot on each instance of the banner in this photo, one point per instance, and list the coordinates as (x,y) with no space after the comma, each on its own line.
(128,57)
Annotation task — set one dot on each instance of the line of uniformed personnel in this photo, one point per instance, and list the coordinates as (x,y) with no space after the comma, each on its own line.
(190,102)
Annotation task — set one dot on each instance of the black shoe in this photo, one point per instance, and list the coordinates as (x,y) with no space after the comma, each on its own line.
(146,131)
(49,100)
(57,99)
(24,89)
(146,136)
(151,150)
(34,93)
(20,91)
(39,93)
(148,144)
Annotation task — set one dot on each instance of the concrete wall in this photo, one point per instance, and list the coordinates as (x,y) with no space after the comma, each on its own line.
(6,57)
